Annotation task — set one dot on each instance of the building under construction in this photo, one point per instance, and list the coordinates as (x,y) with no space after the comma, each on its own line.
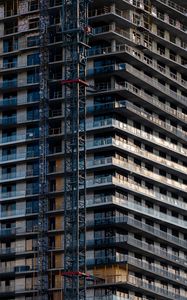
(93,147)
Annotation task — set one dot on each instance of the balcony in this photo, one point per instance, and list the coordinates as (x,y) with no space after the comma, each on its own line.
(14,84)
(13,194)
(21,156)
(18,138)
(18,175)
(174,6)
(7,233)
(16,213)
(8,102)
(156,251)
(134,169)
(153,83)
(156,270)
(156,121)
(138,225)
(112,123)
(144,285)
(135,55)
(133,149)
(7,290)
(126,86)
(5,121)
(129,205)
(148,117)
(120,258)
(107,241)
(129,21)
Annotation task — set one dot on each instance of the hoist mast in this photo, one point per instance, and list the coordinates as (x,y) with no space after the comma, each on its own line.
(42,262)
(74,43)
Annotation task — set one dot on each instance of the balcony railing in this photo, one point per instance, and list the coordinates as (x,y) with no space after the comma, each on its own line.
(16,213)
(100,87)
(135,53)
(151,287)
(13,194)
(132,148)
(18,137)
(8,120)
(126,18)
(20,156)
(133,168)
(137,132)
(174,5)
(7,289)
(156,250)
(126,203)
(18,83)
(8,102)
(152,268)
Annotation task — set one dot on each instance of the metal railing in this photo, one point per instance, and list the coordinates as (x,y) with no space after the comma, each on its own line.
(131,205)
(133,168)
(137,132)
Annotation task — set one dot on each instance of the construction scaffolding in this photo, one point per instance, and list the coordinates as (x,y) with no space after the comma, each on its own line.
(43,150)
(74,42)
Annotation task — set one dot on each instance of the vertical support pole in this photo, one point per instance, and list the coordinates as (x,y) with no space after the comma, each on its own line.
(74,43)
(43,148)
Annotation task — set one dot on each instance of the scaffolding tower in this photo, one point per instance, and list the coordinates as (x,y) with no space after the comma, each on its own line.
(74,43)
(43,149)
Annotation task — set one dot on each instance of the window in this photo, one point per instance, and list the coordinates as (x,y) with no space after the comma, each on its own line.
(33,95)
(33,59)
(32,114)
(32,132)
(32,206)
(32,188)
(32,169)
(32,150)
(32,5)
(33,23)
(33,41)
(32,77)
(10,62)
(10,45)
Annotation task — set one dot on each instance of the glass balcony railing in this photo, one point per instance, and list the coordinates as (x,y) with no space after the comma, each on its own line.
(18,137)
(13,194)
(8,120)
(16,101)
(19,212)
(19,156)
(19,83)
(8,102)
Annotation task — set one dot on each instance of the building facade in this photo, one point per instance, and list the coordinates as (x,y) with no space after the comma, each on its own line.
(136,150)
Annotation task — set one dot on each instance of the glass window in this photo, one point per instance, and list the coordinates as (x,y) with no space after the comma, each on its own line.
(33,95)
(32,114)
(33,41)
(33,77)
(33,59)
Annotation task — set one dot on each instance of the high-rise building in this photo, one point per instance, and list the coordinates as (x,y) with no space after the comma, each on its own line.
(136,150)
